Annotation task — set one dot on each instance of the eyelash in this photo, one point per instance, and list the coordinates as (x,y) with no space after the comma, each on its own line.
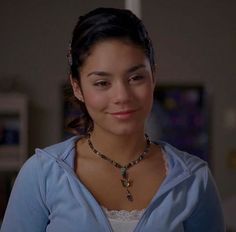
(136,78)
(101,83)
(106,84)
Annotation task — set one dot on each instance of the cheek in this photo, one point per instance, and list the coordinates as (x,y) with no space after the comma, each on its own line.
(147,99)
(94,101)
(147,94)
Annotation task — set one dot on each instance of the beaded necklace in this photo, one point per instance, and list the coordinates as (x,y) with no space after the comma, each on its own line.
(125,181)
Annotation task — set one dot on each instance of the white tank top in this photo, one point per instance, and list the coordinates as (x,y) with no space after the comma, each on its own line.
(122,220)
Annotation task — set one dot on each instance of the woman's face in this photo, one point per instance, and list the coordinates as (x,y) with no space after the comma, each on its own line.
(117,87)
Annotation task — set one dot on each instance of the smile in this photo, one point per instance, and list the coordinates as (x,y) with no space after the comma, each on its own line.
(123,114)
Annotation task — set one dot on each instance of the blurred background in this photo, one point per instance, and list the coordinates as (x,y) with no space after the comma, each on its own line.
(195,45)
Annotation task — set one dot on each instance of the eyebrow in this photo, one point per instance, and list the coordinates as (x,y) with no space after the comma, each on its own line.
(130,70)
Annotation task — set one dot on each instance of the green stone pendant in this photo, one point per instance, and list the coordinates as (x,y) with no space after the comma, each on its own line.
(123,172)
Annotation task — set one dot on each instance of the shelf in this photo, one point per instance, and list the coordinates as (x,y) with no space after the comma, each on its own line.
(13,131)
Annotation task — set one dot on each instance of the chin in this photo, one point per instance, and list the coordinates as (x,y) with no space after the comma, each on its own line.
(120,129)
(126,131)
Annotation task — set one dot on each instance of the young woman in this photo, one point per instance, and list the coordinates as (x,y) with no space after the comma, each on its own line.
(111,177)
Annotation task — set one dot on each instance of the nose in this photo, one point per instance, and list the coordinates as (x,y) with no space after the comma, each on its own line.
(121,93)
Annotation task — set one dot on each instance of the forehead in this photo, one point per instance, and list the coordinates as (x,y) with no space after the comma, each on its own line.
(114,55)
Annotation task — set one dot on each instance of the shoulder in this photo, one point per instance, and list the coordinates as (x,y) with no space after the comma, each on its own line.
(184,166)
(198,175)
(59,150)
(45,158)
(182,159)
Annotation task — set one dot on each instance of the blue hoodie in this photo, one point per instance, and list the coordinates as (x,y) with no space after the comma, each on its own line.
(48,196)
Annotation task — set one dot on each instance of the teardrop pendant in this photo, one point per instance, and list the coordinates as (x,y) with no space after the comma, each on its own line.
(126,183)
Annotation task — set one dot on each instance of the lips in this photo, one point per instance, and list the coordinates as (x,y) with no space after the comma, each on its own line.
(126,114)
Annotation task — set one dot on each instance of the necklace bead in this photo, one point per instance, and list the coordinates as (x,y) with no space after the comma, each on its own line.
(125,181)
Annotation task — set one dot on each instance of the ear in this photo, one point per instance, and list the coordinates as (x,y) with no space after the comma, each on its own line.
(76,89)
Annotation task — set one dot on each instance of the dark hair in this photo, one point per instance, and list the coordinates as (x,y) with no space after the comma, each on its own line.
(96,26)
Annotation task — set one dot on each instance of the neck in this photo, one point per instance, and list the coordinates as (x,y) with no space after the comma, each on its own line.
(120,148)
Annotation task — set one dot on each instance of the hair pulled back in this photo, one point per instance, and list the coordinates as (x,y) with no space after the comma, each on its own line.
(99,25)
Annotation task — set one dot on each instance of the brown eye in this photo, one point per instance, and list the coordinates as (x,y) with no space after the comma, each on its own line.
(136,78)
(102,84)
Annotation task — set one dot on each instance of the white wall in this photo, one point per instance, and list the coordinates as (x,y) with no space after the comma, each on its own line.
(195,43)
